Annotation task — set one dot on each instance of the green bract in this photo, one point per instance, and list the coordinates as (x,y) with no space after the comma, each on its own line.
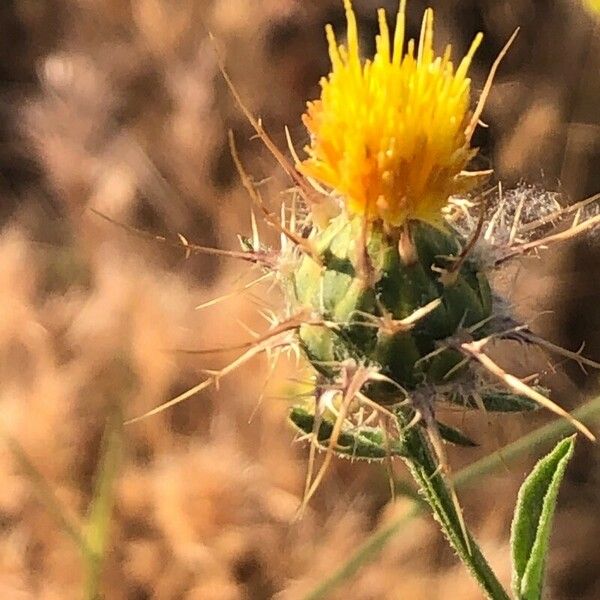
(364,307)
(338,293)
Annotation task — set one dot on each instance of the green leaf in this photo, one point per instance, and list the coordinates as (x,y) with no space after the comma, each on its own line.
(370,443)
(100,509)
(455,436)
(498,401)
(68,524)
(532,521)
(503,401)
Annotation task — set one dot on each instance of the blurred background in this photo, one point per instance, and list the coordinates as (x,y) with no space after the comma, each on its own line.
(118,105)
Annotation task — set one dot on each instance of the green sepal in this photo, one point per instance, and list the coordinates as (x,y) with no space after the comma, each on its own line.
(500,401)
(485,292)
(399,353)
(497,401)
(367,443)
(404,288)
(463,304)
(359,306)
(317,343)
(434,246)
(442,367)
(455,436)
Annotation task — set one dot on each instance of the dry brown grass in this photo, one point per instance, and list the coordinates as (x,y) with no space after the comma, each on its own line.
(120,108)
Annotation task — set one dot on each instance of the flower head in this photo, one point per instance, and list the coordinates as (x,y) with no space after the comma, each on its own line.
(391,135)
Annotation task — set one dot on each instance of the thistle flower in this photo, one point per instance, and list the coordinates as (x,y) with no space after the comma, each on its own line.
(394,323)
(392,135)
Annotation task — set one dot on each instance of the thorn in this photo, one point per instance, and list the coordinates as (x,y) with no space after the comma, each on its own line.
(273,362)
(550,239)
(449,275)
(278,337)
(358,379)
(191,392)
(392,326)
(576,356)
(406,247)
(254,227)
(247,328)
(262,134)
(492,224)
(488,86)
(313,182)
(185,244)
(300,242)
(474,349)
(516,222)
(254,257)
(578,206)
(241,290)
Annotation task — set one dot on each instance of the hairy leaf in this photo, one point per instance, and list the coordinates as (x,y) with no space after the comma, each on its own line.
(370,443)
(532,521)
(455,436)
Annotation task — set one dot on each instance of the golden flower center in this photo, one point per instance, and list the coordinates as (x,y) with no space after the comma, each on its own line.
(391,135)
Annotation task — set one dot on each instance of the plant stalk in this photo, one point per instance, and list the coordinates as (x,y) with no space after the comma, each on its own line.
(425,470)
(378,540)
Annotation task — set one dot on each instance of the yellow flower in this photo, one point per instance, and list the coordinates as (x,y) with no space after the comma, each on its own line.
(593,5)
(391,135)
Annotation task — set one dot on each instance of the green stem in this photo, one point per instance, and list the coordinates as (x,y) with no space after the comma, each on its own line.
(93,571)
(425,470)
(376,542)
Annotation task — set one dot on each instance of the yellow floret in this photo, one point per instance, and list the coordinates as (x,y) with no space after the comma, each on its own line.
(391,135)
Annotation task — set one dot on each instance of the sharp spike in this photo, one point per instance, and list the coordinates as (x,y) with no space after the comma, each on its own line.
(488,85)
(474,349)
(254,257)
